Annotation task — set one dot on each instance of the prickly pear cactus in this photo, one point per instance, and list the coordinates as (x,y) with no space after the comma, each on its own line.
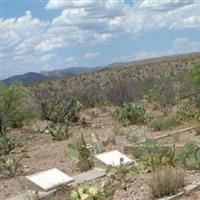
(81,153)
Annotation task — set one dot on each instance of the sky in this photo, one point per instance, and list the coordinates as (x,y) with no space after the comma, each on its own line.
(41,35)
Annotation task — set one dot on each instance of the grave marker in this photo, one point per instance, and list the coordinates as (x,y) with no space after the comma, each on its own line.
(48,180)
(113,158)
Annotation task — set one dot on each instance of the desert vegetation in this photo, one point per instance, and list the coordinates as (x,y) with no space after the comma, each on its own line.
(72,120)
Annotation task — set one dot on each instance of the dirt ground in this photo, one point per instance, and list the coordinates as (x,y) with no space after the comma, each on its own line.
(40,152)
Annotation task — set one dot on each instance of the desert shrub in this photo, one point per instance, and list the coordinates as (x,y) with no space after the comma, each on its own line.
(166,181)
(163,93)
(91,95)
(80,152)
(15,109)
(119,91)
(58,131)
(194,75)
(188,111)
(131,113)
(193,78)
(162,123)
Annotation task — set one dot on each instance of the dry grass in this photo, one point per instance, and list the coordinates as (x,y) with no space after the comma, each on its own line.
(166,181)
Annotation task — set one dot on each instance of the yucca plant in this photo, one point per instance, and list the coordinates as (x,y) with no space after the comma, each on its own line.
(80,152)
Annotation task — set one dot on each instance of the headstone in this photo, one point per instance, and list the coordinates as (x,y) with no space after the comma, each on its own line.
(114,158)
(48,180)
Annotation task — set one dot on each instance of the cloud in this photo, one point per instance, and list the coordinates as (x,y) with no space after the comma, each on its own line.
(93,55)
(189,22)
(50,44)
(61,4)
(178,46)
(164,5)
(29,41)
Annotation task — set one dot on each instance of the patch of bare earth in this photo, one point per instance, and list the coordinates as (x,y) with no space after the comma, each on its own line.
(41,152)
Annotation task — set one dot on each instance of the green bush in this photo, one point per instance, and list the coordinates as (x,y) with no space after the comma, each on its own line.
(188,111)
(15,109)
(193,78)
(162,123)
(131,113)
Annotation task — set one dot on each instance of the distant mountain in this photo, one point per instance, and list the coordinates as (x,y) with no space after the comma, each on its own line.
(25,78)
(54,74)
(47,75)
(69,71)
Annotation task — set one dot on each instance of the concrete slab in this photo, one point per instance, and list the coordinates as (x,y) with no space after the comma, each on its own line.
(88,176)
(113,158)
(48,180)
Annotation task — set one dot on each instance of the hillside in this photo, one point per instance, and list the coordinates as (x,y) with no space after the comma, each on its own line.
(133,73)
(150,143)
(32,77)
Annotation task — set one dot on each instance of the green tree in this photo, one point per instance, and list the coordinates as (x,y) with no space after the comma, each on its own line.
(193,78)
(14,108)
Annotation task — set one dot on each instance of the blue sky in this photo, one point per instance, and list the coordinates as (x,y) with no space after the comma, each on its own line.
(54,34)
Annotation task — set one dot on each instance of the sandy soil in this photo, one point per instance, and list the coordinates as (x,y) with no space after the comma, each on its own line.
(41,152)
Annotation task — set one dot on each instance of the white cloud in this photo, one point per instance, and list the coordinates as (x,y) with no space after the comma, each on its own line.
(28,39)
(92,55)
(178,46)
(61,4)
(189,22)
(50,44)
(164,4)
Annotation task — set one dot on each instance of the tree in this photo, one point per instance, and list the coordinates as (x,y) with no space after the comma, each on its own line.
(14,109)
(193,78)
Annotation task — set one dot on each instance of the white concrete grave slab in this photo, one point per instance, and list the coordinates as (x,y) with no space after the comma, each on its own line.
(113,158)
(48,180)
